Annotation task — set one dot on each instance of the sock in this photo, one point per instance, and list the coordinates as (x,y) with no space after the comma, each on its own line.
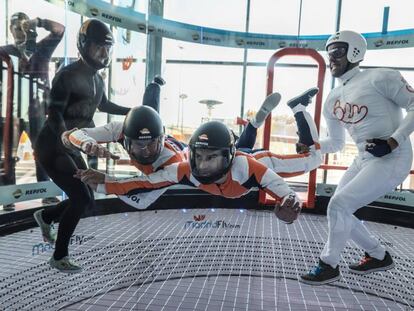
(298,108)
(268,105)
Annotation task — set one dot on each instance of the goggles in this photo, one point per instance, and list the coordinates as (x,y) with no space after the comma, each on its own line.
(337,52)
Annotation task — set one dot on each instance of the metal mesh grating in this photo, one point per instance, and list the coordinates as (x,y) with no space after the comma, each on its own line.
(199,260)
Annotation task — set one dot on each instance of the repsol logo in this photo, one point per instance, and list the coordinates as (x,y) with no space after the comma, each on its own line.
(219,224)
(255,43)
(396,42)
(112,18)
(205,38)
(35,191)
(133,197)
(298,45)
(394,197)
(45,247)
(166,32)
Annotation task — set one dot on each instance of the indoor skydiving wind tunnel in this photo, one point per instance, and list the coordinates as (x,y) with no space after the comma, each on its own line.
(212,61)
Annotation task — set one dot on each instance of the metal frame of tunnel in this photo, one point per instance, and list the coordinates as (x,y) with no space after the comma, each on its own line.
(310,202)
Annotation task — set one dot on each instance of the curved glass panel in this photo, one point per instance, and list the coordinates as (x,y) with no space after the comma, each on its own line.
(229,14)
(196,72)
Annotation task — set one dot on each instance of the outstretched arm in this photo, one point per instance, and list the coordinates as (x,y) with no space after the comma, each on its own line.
(105,184)
(111,108)
(89,140)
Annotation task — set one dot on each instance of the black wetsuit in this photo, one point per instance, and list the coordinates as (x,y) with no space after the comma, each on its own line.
(37,67)
(77,90)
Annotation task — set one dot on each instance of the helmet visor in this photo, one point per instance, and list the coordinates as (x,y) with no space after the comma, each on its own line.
(101,53)
(337,52)
(145,151)
(209,165)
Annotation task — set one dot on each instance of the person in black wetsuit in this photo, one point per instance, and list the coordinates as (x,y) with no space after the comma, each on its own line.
(77,90)
(33,61)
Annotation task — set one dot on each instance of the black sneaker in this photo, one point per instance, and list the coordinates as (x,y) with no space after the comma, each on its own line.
(321,274)
(9,207)
(304,98)
(159,80)
(370,264)
(50,200)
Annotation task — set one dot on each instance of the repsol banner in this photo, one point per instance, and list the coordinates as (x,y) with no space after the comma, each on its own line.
(405,198)
(26,192)
(129,19)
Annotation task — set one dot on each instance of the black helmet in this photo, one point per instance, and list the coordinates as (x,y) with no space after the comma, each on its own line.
(143,134)
(212,135)
(95,31)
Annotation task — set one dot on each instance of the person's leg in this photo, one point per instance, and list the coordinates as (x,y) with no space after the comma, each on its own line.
(356,193)
(61,169)
(152,92)
(307,132)
(298,104)
(35,125)
(376,177)
(324,273)
(296,164)
(248,136)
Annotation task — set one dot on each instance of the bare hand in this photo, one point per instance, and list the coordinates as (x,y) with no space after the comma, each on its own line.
(29,24)
(65,139)
(90,177)
(288,210)
(97,150)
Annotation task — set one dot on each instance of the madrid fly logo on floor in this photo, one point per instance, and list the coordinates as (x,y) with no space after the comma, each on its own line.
(46,247)
(200,222)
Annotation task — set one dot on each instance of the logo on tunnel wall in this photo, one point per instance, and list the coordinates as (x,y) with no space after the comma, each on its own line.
(17,194)
(94,11)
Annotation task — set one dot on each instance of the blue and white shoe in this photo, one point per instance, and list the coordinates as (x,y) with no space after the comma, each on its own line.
(321,274)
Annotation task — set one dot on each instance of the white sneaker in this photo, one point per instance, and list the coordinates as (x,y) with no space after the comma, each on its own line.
(268,105)
(65,265)
(48,231)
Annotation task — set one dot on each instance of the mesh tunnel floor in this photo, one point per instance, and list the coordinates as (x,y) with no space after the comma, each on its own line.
(199,260)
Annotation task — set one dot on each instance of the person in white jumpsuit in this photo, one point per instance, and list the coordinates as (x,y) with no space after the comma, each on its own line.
(368,104)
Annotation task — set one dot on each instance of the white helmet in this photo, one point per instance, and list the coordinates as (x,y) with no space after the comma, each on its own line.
(357,45)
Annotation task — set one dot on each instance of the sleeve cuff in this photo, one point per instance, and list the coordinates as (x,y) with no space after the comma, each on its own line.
(101,188)
(398,138)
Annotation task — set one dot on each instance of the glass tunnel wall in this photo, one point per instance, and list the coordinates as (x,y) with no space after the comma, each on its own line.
(195,72)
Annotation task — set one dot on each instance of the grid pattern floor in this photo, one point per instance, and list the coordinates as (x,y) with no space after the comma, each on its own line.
(199,260)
